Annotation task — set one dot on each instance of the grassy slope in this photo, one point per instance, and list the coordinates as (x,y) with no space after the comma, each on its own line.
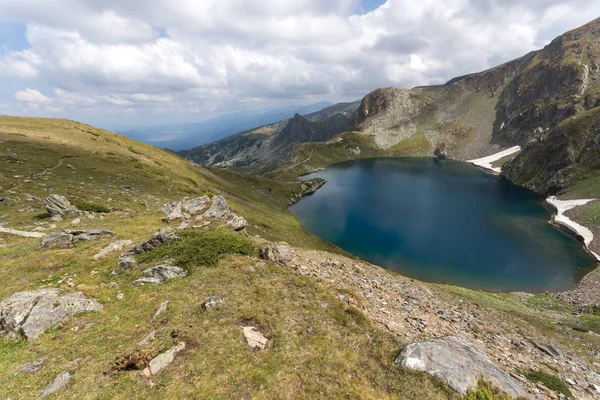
(319,349)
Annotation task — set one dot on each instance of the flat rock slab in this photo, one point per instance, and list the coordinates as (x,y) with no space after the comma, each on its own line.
(58,205)
(59,383)
(161,273)
(195,205)
(31,313)
(457,363)
(115,246)
(162,360)
(254,338)
(219,209)
(68,238)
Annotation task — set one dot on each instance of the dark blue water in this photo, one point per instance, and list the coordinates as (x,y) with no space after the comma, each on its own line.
(444,222)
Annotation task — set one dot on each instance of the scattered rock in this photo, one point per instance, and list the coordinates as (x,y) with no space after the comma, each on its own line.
(276,252)
(254,338)
(164,306)
(80,235)
(163,360)
(219,209)
(59,383)
(115,246)
(213,301)
(457,363)
(173,211)
(237,223)
(58,205)
(31,313)
(195,205)
(31,367)
(161,273)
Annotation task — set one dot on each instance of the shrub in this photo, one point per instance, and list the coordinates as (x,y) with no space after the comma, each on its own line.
(201,248)
(551,382)
(485,391)
(91,207)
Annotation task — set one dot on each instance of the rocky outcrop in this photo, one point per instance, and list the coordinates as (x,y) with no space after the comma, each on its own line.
(59,206)
(69,238)
(280,253)
(237,223)
(219,209)
(161,273)
(164,235)
(31,313)
(458,364)
(173,211)
(195,205)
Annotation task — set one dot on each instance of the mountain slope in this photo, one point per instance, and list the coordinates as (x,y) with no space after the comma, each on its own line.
(267,147)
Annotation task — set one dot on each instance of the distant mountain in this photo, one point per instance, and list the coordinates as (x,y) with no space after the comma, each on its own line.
(267,147)
(187,135)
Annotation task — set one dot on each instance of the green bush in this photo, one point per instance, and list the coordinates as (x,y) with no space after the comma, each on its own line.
(551,382)
(201,248)
(91,207)
(485,391)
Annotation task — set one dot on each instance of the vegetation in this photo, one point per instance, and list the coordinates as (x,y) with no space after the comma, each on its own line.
(551,382)
(90,207)
(485,391)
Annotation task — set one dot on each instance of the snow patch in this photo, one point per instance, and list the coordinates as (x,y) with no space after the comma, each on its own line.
(486,162)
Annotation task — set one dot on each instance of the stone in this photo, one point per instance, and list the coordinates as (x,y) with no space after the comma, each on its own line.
(237,223)
(31,367)
(163,236)
(164,306)
(440,151)
(219,209)
(549,349)
(55,240)
(58,205)
(76,221)
(457,363)
(276,252)
(173,211)
(151,337)
(22,233)
(59,383)
(115,246)
(254,338)
(161,273)
(195,205)
(162,360)
(80,235)
(213,301)
(31,313)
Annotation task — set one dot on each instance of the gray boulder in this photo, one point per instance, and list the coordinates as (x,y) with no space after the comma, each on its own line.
(115,246)
(212,302)
(173,211)
(280,252)
(161,273)
(31,313)
(457,363)
(163,236)
(58,205)
(59,239)
(59,383)
(195,205)
(162,360)
(237,222)
(219,209)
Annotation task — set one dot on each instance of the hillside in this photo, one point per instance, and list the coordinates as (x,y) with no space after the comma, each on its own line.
(266,148)
(297,320)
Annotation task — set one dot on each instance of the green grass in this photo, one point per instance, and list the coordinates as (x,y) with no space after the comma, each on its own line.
(91,207)
(201,248)
(551,382)
(485,391)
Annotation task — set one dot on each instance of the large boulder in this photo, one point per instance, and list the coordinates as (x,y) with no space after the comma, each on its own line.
(219,209)
(457,363)
(173,211)
(195,205)
(237,222)
(161,273)
(31,313)
(280,252)
(59,206)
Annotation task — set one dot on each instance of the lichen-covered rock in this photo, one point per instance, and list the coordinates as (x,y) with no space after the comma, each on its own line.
(161,273)
(31,313)
(173,211)
(276,252)
(195,205)
(457,363)
(219,209)
(59,239)
(237,222)
(163,360)
(58,205)
(163,236)
(57,384)
(115,246)
(213,301)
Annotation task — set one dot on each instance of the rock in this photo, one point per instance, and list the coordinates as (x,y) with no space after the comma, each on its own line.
(277,252)
(162,361)
(213,301)
(22,233)
(219,209)
(59,383)
(76,221)
(549,349)
(164,306)
(161,273)
(58,205)
(120,296)
(151,337)
(457,363)
(237,223)
(195,205)
(440,151)
(173,211)
(31,367)
(115,246)
(31,313)
(55,240)
(254,338)
(80,235)
(125,262)
(163,236)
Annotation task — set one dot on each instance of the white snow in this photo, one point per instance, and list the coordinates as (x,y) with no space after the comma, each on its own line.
(486,162)
(563,206)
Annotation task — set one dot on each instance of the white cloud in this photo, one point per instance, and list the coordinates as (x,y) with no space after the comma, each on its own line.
(162,57)
(32,96)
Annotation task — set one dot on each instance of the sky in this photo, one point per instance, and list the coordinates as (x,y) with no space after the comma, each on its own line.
(142,62)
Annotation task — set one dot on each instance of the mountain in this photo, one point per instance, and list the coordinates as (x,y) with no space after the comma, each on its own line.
(266,147)
(187,135)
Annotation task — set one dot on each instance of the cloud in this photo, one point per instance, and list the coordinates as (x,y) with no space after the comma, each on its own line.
(156,59)
(32,96)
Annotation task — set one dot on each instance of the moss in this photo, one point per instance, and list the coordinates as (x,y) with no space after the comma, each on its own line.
(551,382)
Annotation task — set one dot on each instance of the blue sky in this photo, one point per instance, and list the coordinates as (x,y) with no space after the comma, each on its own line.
(140,62)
